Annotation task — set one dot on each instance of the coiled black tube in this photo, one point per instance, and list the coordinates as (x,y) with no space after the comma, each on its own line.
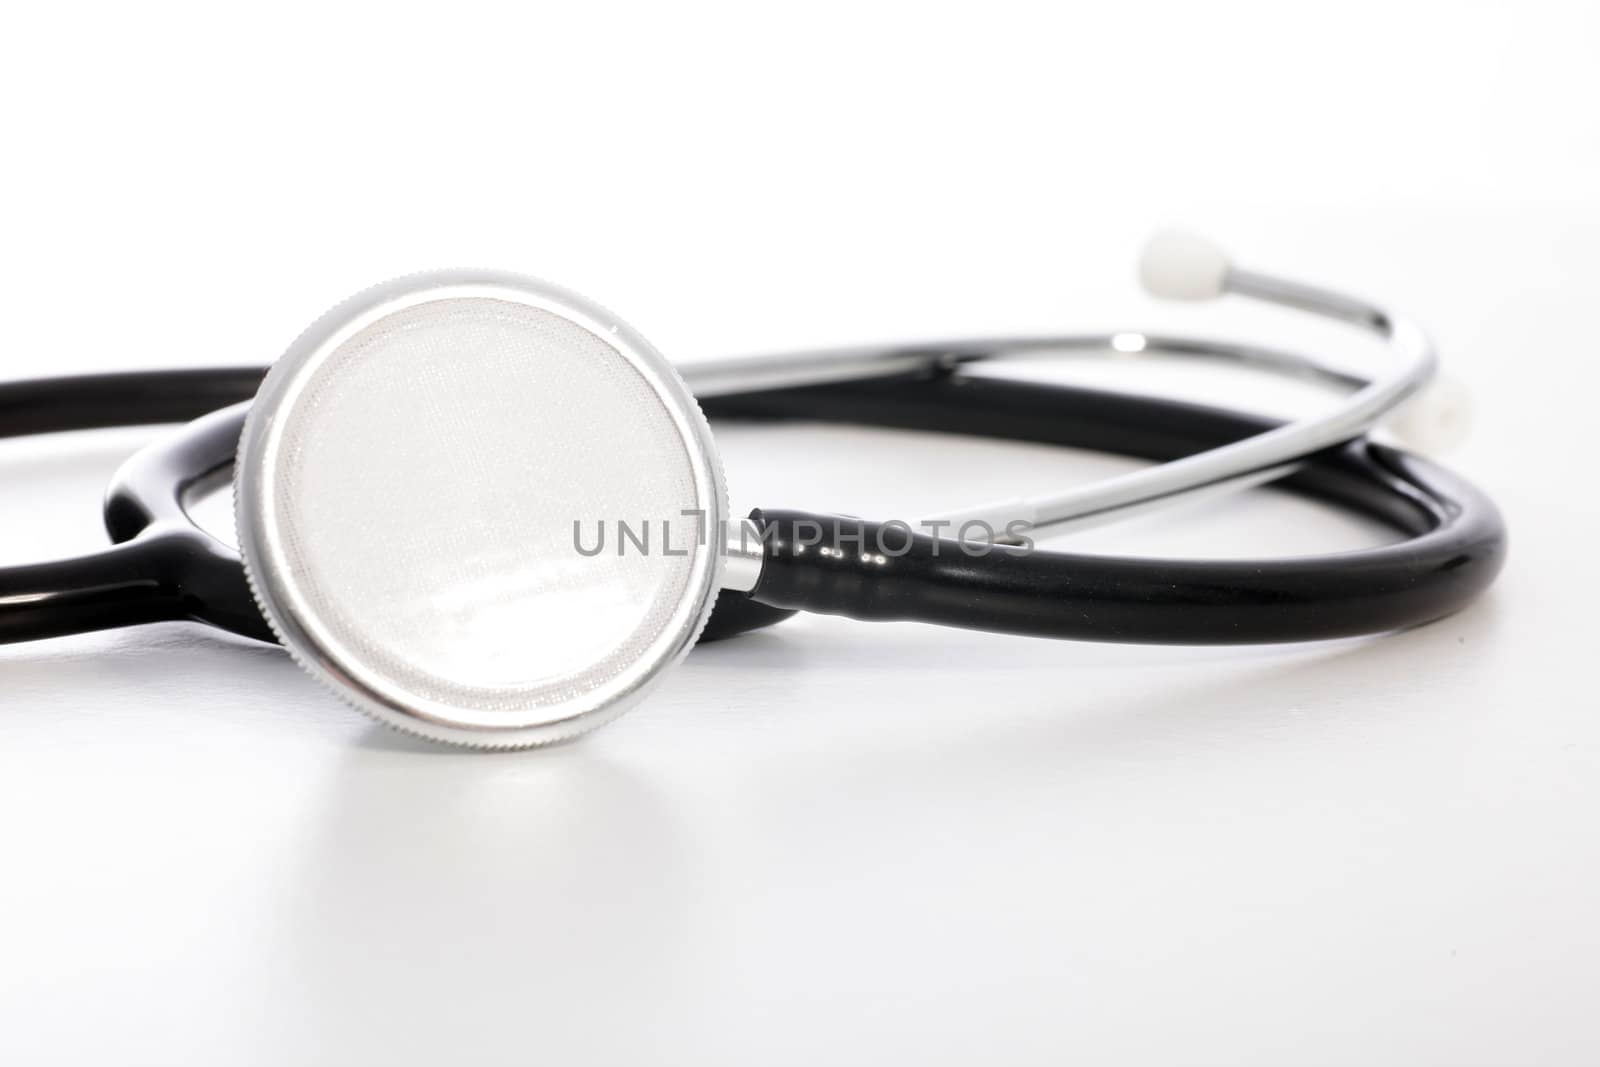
(1455,542)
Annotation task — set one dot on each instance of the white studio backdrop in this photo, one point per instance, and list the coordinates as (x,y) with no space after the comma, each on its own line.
(835,842)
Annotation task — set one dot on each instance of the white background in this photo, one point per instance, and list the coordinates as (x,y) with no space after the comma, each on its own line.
(835,842)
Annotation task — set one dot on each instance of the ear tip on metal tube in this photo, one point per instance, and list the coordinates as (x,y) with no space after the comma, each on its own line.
(1179,265)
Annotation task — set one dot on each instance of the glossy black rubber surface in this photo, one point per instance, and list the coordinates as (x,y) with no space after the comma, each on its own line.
(1455,542)
(163,567)
(133,398)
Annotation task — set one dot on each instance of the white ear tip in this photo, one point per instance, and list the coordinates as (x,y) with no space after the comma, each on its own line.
(1178,265)
(1437,419)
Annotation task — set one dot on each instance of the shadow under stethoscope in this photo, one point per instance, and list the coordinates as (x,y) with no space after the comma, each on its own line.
(1184,699)
(567,877)
(568,887)
(555,888)
(572,888)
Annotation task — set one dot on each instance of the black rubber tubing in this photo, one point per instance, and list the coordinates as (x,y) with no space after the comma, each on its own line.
(1454,544)
(1456,537)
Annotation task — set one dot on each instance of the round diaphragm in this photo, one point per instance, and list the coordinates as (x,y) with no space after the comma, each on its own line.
(480,508)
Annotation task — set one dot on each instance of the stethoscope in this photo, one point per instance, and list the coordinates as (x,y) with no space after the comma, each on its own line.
(486,511)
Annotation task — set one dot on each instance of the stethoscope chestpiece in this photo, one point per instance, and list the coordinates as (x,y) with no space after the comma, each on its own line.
(480,508)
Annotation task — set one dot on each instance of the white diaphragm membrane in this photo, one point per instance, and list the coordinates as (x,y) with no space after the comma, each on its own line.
(480,508)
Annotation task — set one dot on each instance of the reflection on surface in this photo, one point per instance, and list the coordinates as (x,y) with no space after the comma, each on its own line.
(537,892)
